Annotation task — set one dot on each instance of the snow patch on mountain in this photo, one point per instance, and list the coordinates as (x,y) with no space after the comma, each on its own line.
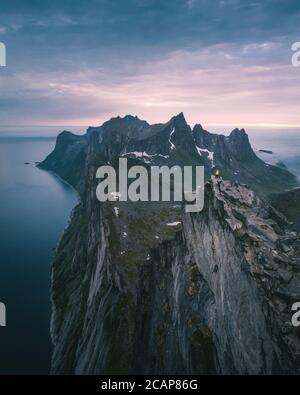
(116,210)
(174,223)
(172,146)
(144,155)
(210,154)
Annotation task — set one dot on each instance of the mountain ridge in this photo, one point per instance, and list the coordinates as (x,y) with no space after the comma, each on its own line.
(212,297)
(171,143)
(145,288)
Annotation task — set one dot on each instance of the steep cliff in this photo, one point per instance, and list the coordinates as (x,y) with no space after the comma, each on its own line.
(148,288)
(289,204)
(214,297)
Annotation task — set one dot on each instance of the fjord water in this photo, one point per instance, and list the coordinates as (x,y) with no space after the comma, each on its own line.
(34,210)
(284,144)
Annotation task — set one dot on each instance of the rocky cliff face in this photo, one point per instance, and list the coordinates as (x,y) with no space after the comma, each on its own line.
(148,288)
(289,204)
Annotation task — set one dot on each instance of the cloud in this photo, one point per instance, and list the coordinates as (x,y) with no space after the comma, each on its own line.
(218,61)
(208,85)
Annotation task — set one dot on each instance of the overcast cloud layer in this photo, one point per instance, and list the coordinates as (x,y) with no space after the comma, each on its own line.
(82,62)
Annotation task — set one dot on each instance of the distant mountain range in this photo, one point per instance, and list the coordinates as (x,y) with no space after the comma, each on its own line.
(171,143)
(146,288)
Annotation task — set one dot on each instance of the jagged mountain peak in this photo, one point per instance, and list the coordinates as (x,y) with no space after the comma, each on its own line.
(134,119)
(131,117)
(127,120)
(238,131)
(119,123)
(240,144)
(179,118)
(198,127)
(66,133)
(66,137)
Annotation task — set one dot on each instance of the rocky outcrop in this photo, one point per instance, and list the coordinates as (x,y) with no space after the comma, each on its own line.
(148,288)
(251,266)
(68,159)
(235,157)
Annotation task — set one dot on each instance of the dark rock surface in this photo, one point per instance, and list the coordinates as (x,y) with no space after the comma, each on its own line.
(289,204)
(266,151)
(132,293)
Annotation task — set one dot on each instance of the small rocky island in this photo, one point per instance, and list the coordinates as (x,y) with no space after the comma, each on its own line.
(266,151)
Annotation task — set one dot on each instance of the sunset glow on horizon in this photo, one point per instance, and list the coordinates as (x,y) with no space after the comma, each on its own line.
(153,59)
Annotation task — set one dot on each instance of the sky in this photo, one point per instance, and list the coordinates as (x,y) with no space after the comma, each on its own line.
(81,62)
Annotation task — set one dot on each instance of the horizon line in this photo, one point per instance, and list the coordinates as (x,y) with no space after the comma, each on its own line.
(246,124)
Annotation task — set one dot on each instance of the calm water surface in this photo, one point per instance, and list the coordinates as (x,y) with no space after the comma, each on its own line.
(34,210)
